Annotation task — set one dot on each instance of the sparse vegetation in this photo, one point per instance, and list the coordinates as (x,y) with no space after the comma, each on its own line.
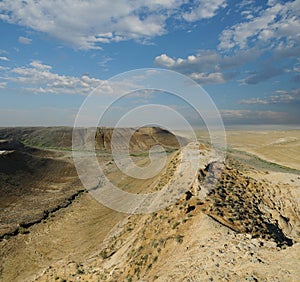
(258,163)
(179,238)
(23,230)
(103,254)
(234,202)
(145,242)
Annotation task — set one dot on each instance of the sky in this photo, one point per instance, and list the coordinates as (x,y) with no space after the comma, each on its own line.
(245,54)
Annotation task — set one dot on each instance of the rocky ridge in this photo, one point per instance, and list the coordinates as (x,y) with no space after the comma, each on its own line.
(236,231)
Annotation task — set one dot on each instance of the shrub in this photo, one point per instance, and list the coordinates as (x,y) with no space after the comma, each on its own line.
(145,257)
(179,239)
(23,230)
(103,254)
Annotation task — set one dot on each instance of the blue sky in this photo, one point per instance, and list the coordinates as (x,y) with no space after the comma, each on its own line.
(245,54)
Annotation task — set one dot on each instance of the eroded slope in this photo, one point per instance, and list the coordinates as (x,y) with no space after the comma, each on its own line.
(33,183)
(243,229)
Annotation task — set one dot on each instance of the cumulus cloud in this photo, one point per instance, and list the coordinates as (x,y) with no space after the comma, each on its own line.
(205,9)
(208,66)
(200,67)
(203,61)
(164,60)
(277,26)
(24,40)
(39,65)
(88,24)
(39,78)
(270,34)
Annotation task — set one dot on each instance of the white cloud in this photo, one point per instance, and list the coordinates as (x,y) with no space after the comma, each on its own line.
(3,52)
(207,60)
(86,24)
(209,78)
(208,67)
(281,97)
(277,26)
(39,65)
(104,61)
(164,60)
(3,85)
(202,61)
(286,96)
(256,117)
(38,78)
(234,113)
(3,58)
(274,30)
(245,3)
(254,101)
(204,10)
(264,74)
(24,40)
(201,67)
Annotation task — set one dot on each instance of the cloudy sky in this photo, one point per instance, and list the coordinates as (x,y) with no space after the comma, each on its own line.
(245,54)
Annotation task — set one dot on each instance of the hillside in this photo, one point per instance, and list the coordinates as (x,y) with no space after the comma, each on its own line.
(33,183)
(236,222)
(243,230)
(61,137)
(38,185)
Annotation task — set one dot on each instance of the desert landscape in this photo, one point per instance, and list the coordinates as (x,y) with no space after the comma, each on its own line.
(149,141)
(238,221)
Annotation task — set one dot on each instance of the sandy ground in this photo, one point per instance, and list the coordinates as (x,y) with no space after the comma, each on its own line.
(71,234)
(89,242)
(173,245)
(281,147)
(177,245)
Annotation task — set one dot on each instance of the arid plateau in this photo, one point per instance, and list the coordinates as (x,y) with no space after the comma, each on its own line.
(239,220)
